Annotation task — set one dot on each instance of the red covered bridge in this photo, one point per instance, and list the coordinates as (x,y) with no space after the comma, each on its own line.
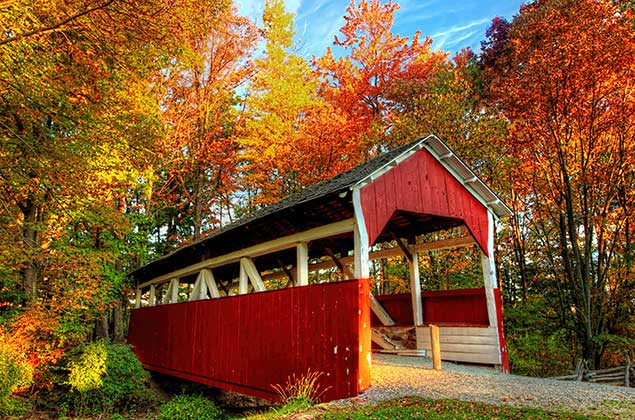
(286,290)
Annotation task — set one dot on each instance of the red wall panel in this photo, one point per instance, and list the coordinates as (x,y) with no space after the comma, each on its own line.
(446,307)
(420,184)
(249,343)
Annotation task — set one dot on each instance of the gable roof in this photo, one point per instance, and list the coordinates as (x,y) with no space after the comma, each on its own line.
(323,194)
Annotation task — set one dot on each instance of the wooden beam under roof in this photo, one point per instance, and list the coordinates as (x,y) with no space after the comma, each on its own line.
(268,247)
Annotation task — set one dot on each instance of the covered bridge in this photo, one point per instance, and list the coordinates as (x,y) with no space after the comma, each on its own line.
(285,291)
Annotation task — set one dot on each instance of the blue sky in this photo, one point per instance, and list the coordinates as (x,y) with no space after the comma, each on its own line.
(452,24)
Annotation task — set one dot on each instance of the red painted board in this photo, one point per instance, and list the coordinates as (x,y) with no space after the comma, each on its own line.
(463,307)
(250,343)
(420,184)
(502,341)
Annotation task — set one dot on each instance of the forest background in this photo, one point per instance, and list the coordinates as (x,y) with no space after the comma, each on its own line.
(131,128)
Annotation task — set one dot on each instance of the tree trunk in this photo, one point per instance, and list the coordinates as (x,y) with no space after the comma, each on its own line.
(101,328)
(30,273)
(118,330)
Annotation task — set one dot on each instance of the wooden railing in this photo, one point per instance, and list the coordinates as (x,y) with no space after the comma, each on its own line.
(464,307)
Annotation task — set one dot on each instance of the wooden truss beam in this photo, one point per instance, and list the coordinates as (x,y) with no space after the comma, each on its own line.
(346,272)
(381,313)
(385,253)
(268,247)
(249,273)
(205,284)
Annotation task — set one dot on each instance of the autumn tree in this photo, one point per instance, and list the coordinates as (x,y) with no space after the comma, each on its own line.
(565,80)
(197,158)
(281,96)
(77,122)
(373,61)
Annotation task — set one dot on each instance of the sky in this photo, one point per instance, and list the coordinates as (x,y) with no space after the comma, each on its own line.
(452,24)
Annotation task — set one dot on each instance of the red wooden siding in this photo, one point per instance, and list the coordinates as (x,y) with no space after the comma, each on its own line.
(398,306)
(420,184)
(465,307)
(249,343)
(502,341)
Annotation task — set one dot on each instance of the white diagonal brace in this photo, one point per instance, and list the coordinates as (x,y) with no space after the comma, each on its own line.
(249,268)
(196,290)
(210,283)
(172,295)
(381,313)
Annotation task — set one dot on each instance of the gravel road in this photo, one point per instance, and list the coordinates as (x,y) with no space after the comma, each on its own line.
(399,376)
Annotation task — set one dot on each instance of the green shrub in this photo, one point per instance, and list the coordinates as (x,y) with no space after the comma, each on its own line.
(186,407)
(105,376)
(538,345)
(15,374)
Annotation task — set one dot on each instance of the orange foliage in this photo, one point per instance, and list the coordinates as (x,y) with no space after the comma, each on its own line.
(375,59)
(198,156)
(565,78)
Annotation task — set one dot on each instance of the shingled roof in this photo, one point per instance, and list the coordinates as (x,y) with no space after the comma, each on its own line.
(317,204)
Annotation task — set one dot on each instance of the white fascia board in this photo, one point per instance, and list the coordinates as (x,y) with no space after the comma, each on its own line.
(454,165)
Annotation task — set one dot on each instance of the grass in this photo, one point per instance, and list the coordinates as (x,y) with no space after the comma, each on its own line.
(419,408)
(279,412)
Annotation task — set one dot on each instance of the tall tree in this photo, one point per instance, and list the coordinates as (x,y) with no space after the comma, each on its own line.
(77,122)
(566,80)
(282,95)
(198,157)
(374,60)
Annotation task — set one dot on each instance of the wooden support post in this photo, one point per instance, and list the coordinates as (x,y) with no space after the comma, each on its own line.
(489,273)
(137,300)
(435,344)
(152,300)
(494,310)
(489,281)
(362,267)
(411,254)
(415,287)
(381,313)
(302,264)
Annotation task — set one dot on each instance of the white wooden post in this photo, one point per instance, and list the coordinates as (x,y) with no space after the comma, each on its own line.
(152,300)
(137,300)
(489,273)
(415,287)
(362,268)
(209,283)
(302,264)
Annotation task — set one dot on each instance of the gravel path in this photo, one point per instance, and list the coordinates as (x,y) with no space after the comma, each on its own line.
(399,376)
